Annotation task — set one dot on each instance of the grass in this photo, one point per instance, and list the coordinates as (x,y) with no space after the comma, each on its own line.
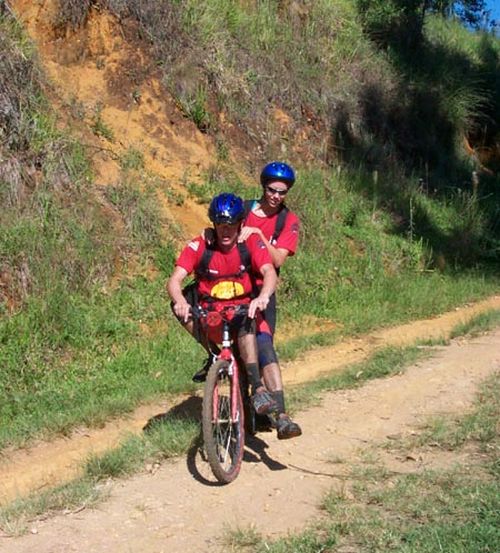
(92,347)
(173,434)
(96,353)
(452,509)
(84,321)
(386,362)
(482,323)
(240,539)
(85,333)
(480,426)
(132,159)
(99,126)
(194,106)
(17,518)
(162,440)
(390,103)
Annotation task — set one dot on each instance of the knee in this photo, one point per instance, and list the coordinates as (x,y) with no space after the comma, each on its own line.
(267,353)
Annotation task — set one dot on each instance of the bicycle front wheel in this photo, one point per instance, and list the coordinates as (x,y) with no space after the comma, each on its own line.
(223,423)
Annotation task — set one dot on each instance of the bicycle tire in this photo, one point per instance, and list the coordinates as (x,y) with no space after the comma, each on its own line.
(223,437)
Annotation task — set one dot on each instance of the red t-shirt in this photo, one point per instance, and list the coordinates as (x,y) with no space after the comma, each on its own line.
(289,237)
(224,264)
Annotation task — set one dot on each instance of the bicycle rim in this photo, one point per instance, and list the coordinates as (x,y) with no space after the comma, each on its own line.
(223,434)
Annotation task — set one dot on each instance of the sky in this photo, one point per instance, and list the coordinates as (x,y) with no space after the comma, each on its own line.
(494,6)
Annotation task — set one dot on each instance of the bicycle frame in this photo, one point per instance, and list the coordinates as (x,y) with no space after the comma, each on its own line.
(226,354)
(223,419)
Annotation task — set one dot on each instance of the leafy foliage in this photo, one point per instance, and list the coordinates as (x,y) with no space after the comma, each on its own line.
(401,101)
(390,21)
(83,334)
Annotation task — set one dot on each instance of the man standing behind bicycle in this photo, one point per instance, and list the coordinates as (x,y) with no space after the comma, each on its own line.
(225,272)
(278,228)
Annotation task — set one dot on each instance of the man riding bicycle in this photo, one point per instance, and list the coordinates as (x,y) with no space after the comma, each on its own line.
(277,227)
(225,273)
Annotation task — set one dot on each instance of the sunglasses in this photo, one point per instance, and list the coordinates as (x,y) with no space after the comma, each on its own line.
(272,190)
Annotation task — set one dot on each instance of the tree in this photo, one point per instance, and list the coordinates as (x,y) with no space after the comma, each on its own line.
(471,12)
(400,22)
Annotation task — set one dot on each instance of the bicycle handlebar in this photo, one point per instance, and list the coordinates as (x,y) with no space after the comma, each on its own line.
(198,312)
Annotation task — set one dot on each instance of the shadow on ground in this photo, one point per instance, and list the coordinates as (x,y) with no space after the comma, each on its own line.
(188,410)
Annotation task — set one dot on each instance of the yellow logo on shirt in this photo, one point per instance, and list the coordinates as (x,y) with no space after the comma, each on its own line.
(226,290)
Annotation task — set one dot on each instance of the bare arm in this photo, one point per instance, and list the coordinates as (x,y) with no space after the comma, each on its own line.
(268,287)
(278,255)
(174,289)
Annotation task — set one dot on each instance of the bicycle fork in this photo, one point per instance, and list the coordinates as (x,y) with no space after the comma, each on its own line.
(227,355)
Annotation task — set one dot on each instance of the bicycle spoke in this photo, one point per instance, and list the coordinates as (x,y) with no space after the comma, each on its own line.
(223,434)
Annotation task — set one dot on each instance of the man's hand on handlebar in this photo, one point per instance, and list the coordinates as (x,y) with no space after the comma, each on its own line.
(183,310)
(258,303)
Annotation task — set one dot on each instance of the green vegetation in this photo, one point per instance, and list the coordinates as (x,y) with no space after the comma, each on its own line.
(164,438)
(99,127)
(177,432)
(74,340)
(85,331)
(389,89)
(132,159)
(452,509)
(194,106)
(394,227)
(479,324)
(72,497)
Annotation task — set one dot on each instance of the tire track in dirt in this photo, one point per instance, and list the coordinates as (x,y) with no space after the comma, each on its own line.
(179,508)
(47,464)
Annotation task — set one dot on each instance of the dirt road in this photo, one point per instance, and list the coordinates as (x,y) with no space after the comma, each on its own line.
(50,463)
(180,508)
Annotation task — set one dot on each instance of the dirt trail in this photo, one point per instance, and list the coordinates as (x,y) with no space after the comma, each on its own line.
(179,508)
(49,463)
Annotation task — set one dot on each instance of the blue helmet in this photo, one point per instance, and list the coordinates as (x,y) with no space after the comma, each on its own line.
(277,171)
(226,208)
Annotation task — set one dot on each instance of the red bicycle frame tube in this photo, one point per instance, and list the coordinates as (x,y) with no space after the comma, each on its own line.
(227,355)
(214,319)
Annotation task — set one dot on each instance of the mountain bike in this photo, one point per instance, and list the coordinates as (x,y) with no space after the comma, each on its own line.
(226,399)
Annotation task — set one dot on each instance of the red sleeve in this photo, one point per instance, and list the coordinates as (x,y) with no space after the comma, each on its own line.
(191,255)
(289,237)
(258,252)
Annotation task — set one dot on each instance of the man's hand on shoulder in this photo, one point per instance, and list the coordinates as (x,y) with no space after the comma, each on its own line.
(208,234)
(246,232)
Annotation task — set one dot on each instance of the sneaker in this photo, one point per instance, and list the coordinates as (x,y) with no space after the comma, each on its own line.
(263,402)
(287,428)
(201,375)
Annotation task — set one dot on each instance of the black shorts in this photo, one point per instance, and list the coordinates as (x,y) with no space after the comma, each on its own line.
(270,314)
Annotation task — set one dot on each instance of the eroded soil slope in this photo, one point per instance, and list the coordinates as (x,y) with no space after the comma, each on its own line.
(100,73)
(179,508)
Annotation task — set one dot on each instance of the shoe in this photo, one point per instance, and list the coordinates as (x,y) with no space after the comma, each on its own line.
(263,403)
(201,375)
(287,428)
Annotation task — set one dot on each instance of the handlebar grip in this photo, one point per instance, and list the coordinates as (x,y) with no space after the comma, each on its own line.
(198,312)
